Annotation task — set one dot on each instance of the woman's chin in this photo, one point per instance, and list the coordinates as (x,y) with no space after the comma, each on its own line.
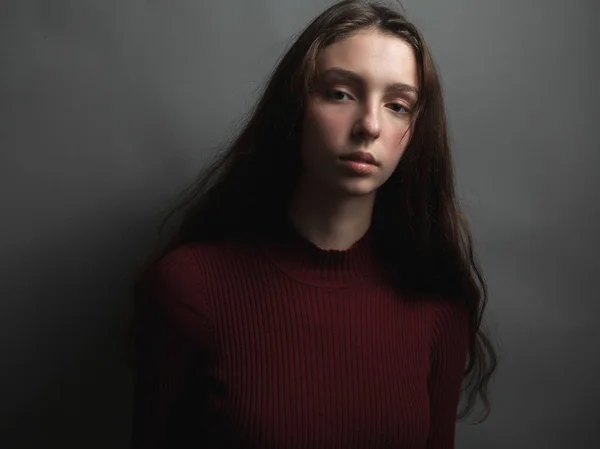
(358,187)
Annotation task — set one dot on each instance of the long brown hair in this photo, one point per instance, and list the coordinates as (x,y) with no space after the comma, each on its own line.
(418,226)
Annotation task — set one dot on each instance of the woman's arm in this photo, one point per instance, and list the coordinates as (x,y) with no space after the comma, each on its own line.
(449,355)
(172,335)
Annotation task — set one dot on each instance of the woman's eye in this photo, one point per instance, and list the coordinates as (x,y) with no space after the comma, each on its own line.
(337,95)
(399,108)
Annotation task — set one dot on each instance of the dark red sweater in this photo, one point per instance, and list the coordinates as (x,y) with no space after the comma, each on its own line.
(283,345)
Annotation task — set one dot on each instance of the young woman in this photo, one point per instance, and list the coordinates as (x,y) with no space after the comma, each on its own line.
(321,290)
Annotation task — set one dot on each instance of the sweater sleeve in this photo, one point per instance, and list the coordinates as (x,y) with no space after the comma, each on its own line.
(448,359)
(171,345)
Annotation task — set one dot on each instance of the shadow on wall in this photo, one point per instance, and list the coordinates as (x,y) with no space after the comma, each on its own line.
(71,386)
(87,406)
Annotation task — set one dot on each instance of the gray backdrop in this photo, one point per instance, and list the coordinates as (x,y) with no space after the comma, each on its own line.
(109,107)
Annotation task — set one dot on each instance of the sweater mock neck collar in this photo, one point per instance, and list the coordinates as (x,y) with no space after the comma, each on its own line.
(303,260)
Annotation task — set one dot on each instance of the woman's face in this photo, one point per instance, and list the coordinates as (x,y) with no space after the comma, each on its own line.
(363,101)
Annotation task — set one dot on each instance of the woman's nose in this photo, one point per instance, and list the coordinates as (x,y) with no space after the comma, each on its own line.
(368,122)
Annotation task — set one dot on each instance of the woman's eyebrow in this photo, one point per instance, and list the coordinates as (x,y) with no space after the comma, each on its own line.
(355,78)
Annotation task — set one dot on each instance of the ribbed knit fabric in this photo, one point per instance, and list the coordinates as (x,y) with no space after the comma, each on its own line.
(280,344)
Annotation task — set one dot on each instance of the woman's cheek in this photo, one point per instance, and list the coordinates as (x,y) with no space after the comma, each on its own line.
(397,141)
(333,126)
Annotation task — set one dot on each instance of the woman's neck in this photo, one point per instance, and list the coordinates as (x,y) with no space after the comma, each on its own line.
(327,220)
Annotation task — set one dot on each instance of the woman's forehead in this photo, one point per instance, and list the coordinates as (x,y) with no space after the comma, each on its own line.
(375,57)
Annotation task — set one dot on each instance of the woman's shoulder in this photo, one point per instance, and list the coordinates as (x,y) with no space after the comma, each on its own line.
(200,255)
(194,260)
(197,274)
(188,269)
